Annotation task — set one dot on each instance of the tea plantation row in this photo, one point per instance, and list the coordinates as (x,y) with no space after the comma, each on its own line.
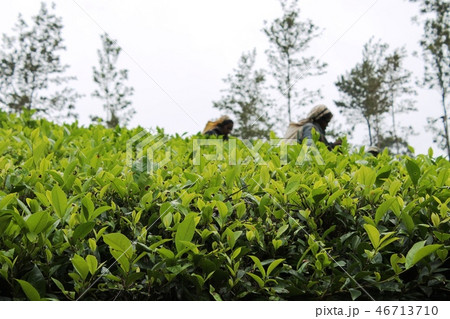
(78,223)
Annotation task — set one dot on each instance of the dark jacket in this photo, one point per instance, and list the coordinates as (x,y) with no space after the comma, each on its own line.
(306,132)
(217,132)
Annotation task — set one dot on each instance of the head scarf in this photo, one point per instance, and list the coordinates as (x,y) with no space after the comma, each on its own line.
(373,150)
(316,113)
(213,124)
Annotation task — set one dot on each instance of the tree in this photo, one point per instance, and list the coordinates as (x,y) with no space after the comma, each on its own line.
(436,54)
(398,86)
(362,91)
(111,84)
(246,99)
(31,68)
(375,87)
(289,38)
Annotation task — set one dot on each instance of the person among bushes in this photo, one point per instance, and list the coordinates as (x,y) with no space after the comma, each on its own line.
(317,119)
(373,150)
(220,127)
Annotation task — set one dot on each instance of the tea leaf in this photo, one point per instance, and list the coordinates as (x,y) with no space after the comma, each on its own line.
(8,199)
(99,211)
(222,208)
(366,176)
(59,201)
(229,235)
(92,264)
(273,265)
(82,230)
(354,293)
(37,222)
(418,252)
(231,176)
(282,230)
(387,242)
(236,253)
(374,235)
(120,243)
(258,279)
(408,221)
(213,293)
(395,260)
(382,209)
(122,259)
(80,266)
(167,219)
(166,253)
(259,265)
(88,206)
(293,185)
(185,231)
(413,171)
(31,292)
(442,178)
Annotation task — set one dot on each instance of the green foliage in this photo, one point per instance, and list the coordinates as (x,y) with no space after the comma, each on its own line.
(246,99)
(289,38)
(418,252)
(185,232)
(78,222)
(31,293)
(435,43)
(30,68)
(111,84)
(374,88)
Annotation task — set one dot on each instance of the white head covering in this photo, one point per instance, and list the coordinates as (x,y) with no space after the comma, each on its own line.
(316,113)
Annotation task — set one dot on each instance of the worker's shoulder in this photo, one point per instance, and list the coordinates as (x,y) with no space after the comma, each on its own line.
(214,131)
(309,126)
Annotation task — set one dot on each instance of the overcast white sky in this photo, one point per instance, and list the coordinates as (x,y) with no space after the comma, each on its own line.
(178,51)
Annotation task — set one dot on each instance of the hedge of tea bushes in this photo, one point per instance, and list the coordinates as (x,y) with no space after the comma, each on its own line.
(83,219)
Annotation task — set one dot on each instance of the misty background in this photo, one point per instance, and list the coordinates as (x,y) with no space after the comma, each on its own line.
(178,52)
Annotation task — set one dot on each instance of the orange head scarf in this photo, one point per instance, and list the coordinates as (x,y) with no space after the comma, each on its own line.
(213,124)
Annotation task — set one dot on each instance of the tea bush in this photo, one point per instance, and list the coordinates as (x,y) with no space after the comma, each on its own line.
(77,222)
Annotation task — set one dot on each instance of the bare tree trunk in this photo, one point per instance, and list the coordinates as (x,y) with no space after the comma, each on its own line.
(289,88)
(445,120)
(377,131)
(394,130)
(370,131)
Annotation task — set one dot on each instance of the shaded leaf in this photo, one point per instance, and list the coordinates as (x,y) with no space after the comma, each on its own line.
(31,292)
(418,252)
(413,171)
(273,265)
